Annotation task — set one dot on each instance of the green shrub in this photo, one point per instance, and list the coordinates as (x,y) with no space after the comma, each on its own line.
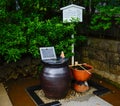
(29,35)
(12,42)
(49,33)
(106,17)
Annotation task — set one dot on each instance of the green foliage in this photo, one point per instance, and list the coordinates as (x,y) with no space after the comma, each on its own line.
(116,11)
(12,42)
(26,29)
(81,38)
(31,26)
(29,35)
(49,33)
(105,17)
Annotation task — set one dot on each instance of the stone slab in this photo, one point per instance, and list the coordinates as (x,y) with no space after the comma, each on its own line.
(4,99)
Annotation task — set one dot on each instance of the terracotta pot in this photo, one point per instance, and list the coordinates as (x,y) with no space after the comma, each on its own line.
(80,74)
(80,87)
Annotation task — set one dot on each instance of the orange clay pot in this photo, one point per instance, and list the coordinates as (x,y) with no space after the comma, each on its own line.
(81,74)
(80,88)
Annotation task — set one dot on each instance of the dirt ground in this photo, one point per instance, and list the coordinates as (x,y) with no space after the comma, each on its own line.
(19,97)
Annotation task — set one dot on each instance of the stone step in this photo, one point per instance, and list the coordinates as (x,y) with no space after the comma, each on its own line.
(4,98)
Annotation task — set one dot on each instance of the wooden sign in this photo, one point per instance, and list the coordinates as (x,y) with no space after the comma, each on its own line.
(72,12)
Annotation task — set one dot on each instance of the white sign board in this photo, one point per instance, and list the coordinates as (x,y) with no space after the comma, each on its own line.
(47,53)
(72,12)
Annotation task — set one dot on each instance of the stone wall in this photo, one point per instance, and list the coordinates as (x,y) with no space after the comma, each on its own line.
(104,55)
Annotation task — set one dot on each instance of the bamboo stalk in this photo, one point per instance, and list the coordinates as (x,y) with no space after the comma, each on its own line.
(84,69)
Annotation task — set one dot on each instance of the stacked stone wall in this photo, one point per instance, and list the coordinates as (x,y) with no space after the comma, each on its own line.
(104,55)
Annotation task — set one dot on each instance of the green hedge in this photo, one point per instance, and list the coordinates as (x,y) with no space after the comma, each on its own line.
(29,35)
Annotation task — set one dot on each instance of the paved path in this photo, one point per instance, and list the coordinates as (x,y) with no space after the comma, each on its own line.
(4,99)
